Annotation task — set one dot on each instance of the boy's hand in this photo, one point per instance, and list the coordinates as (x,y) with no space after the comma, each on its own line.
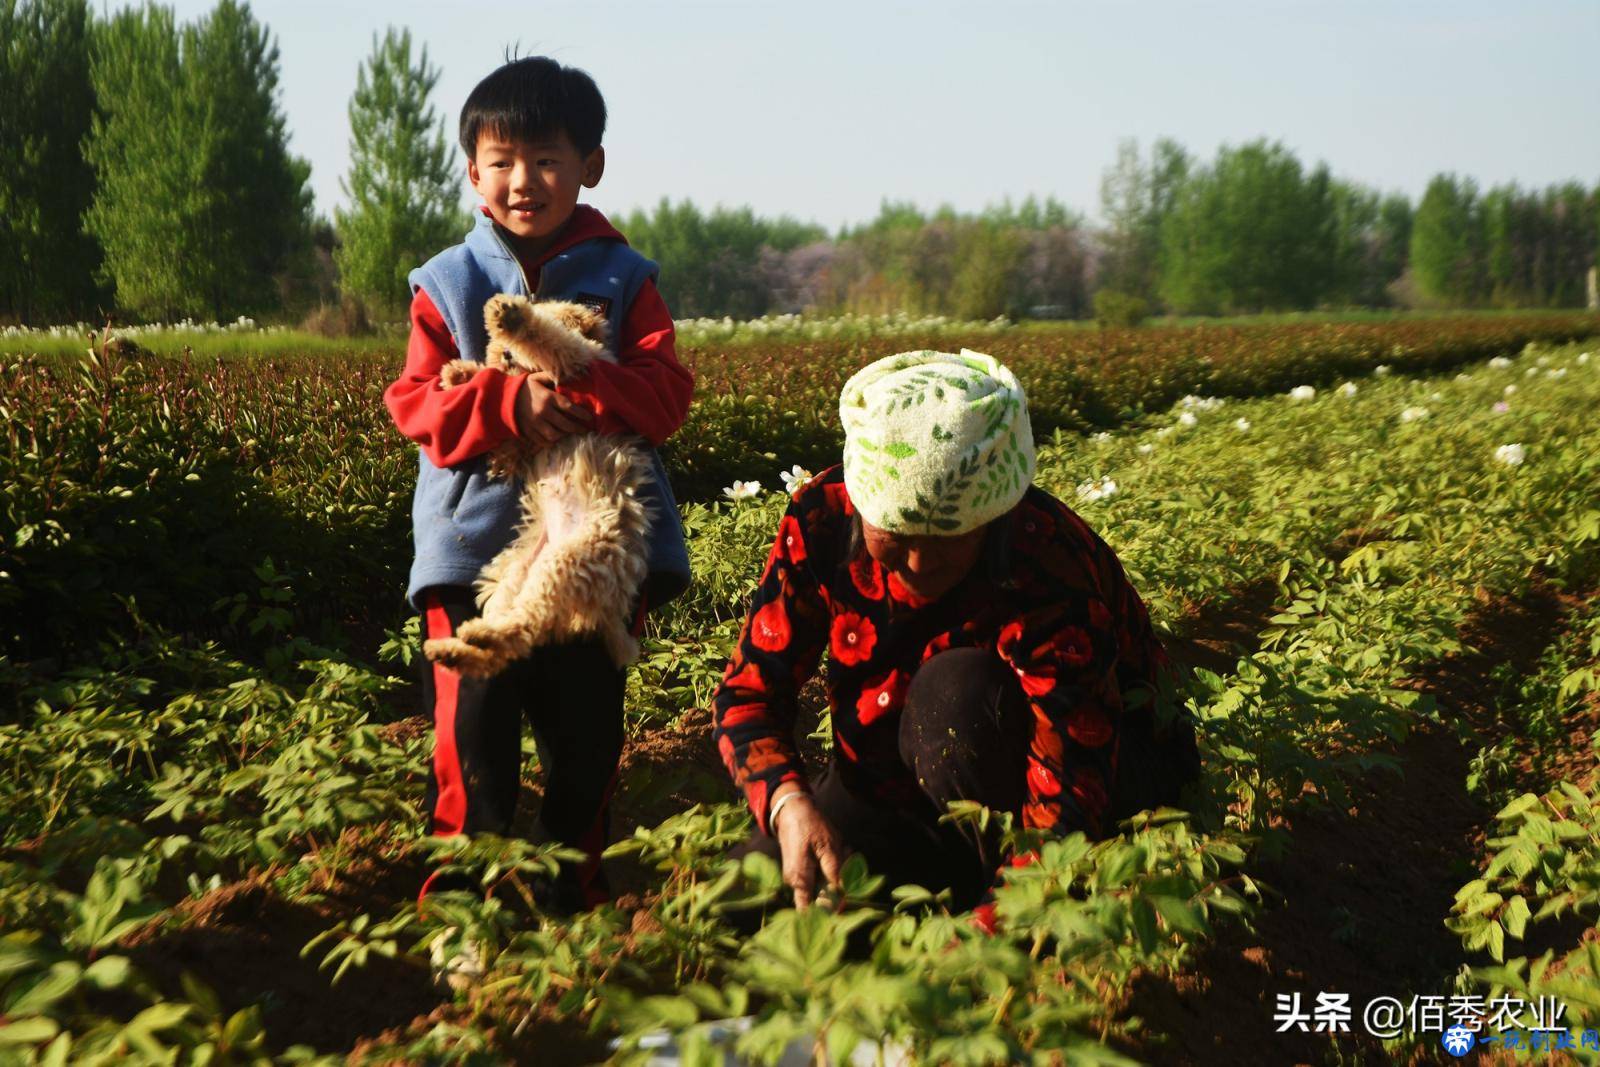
(544,416)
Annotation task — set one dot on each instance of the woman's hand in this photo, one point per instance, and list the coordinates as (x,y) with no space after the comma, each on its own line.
(806,842)
(544,416)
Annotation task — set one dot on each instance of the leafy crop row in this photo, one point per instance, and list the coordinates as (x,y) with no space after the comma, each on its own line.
(161,746)
(765,403)
(1543,862)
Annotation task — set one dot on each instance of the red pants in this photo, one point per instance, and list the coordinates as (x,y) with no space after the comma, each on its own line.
(571,697)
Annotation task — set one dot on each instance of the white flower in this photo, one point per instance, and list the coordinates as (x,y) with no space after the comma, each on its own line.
(1413,414)
(1348,389)
(1510,455)
(1542,361)
(1556,372)
(1381,370)
(1508,390)
(1530,372)
(1241,423)
(1098,489)
(1463,377)
(1146,448)
(1100,438)
(1583,357)
(742,490)
(1165,431)
(1302,392)
(794,478)
(1187,419)
(1499,363)
(1435,396)
(1201,403)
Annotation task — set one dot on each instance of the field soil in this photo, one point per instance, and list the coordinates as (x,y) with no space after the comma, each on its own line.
(1356,898)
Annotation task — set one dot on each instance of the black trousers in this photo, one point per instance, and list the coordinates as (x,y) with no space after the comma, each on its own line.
(570,695)
(964,732)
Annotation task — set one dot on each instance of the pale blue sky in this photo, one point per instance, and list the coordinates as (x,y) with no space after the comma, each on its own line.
(824,109)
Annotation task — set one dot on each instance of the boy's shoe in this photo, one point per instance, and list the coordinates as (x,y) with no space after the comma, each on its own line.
(460,969)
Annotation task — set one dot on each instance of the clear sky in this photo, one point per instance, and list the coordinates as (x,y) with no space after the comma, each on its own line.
(822,110)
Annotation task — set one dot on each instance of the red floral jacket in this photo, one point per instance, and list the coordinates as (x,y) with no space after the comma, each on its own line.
(1064,618)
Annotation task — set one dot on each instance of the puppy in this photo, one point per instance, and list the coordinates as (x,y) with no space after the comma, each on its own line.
(582,547)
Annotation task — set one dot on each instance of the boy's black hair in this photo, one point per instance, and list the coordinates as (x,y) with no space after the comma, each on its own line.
(535,97)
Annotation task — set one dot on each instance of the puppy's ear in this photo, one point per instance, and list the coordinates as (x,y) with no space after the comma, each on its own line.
(580,318)
(592,324)
(561,348)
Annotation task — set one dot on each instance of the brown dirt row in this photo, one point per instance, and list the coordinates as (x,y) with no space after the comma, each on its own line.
(244,939)
(1358,899)
(1346,916)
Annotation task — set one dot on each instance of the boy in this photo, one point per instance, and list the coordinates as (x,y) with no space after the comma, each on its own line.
(531,132)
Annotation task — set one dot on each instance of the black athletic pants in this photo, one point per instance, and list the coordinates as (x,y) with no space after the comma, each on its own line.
(964,733)
(571,697)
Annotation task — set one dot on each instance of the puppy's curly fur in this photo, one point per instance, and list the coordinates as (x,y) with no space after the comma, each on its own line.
(582,549)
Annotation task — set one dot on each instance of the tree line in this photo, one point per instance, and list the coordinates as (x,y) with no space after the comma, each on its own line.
(149,173)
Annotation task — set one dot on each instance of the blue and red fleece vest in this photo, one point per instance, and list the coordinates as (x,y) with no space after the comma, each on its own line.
(461,518)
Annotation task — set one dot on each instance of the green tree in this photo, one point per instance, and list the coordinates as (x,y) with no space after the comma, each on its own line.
(1355,221)
(1252,232)
(713,264)
(48,263)
(1447,242)
(199,206)
(1136,200)
(1594,221)
(902,260)
(1370,233)
(405,199)
(1393,239)
(1536,245)
(1572,230)
(1509,232)
(786,233)
(984,282)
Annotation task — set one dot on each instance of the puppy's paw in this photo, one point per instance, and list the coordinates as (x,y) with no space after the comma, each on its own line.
(475,632)
(457,372)
(465,659)
(507,315)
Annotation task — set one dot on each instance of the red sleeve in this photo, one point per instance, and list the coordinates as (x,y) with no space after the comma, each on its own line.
(647,390)
(782,640)
(450,425)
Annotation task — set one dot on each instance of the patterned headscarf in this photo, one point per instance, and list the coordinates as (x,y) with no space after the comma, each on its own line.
(935,443)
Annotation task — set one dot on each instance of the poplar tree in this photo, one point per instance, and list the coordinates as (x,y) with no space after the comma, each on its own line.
(1253,232)
(405,200)
(1136,201)
(199,205)
(47,262)
(1447,242)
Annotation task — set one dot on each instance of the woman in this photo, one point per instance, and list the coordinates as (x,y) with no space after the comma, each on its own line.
(984,645)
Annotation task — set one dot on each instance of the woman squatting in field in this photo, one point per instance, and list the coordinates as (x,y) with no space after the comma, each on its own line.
(984,645)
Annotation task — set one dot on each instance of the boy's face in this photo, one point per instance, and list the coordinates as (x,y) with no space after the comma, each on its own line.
(531,187)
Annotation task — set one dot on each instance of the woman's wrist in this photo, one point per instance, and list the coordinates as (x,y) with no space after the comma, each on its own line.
(787,792)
